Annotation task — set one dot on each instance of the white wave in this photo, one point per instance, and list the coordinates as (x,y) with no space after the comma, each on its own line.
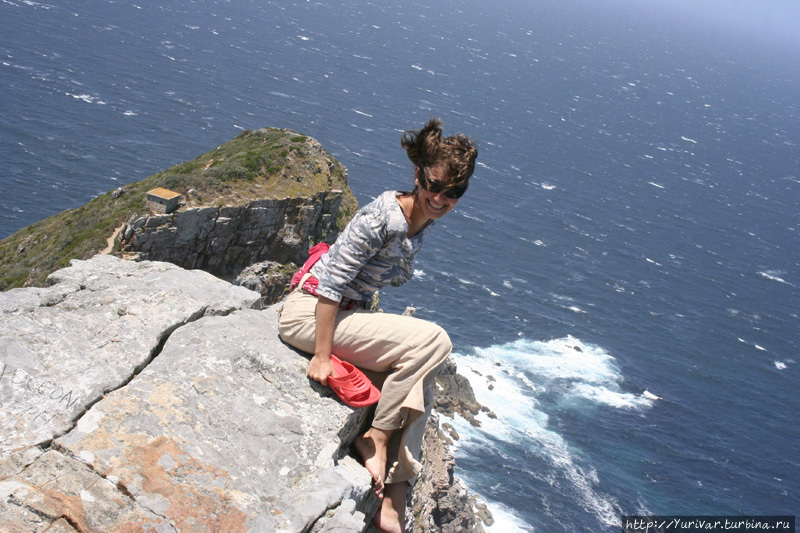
(654,184)
(88,98)
(362,113)
(36,4)
(566,366)
(780,365)
(511,379)
(773,275)
(687,139)
(650,396)
(470,217)
(620,400)
(547,186)
(506,520)
(537,242)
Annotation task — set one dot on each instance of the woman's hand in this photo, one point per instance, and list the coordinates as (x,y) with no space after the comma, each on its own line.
(320,368)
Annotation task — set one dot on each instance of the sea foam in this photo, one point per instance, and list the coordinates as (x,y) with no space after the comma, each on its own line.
(513,379)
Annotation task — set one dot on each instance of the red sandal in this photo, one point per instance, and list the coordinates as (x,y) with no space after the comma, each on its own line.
(351,385)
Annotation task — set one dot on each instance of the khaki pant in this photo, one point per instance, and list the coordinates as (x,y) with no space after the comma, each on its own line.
(410,350)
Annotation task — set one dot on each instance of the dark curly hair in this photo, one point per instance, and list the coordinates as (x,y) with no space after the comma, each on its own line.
(427,148)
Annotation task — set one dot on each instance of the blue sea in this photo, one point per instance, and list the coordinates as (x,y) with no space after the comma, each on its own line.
(622,280)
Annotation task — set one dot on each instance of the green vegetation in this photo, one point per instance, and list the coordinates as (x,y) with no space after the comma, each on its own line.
(267,163)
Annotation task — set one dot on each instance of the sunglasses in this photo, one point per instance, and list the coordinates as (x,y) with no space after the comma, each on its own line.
(436,187)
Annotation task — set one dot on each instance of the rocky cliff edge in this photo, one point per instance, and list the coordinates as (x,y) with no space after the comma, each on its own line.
(138,396)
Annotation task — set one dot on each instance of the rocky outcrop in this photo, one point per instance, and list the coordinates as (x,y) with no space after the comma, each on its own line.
(265,195)
(225,240)
(268,278)
(140,396)
(440,502)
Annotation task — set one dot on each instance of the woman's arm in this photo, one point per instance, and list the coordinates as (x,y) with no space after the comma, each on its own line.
(320,366)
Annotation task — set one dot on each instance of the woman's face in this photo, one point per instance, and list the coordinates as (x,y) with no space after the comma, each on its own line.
(433,205)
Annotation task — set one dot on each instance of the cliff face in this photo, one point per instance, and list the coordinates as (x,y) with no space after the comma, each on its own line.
(225,240)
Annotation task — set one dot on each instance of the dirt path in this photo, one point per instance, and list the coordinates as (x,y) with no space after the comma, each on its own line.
(110,240)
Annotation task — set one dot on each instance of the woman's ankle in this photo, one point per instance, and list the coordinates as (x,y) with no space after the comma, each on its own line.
(380,437)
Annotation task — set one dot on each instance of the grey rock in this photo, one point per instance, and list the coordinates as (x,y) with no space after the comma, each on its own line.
(439,501)
(455,394)
(63,347)
(268,278)
(225,240)
(143,396)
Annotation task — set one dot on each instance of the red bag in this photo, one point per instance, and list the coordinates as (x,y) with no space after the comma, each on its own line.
(314,254)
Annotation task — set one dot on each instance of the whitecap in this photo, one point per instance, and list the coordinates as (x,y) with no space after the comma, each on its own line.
(612,398)
(505,519)
(650,396)
(687,139)
(88,98)
(654,184)
(471,217)
(773,275)
(780,365)
(547,186)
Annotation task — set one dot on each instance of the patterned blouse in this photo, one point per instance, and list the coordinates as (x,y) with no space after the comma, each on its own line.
(372,252)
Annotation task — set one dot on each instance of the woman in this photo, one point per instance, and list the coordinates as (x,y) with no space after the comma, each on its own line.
(328,314)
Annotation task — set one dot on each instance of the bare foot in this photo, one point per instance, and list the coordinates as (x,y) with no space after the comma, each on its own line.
(371,446)
(391,515)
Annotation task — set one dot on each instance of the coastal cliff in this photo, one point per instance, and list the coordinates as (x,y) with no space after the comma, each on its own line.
(152,395)
(268,194)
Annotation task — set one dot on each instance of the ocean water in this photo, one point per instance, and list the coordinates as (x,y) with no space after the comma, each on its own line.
(622,280)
